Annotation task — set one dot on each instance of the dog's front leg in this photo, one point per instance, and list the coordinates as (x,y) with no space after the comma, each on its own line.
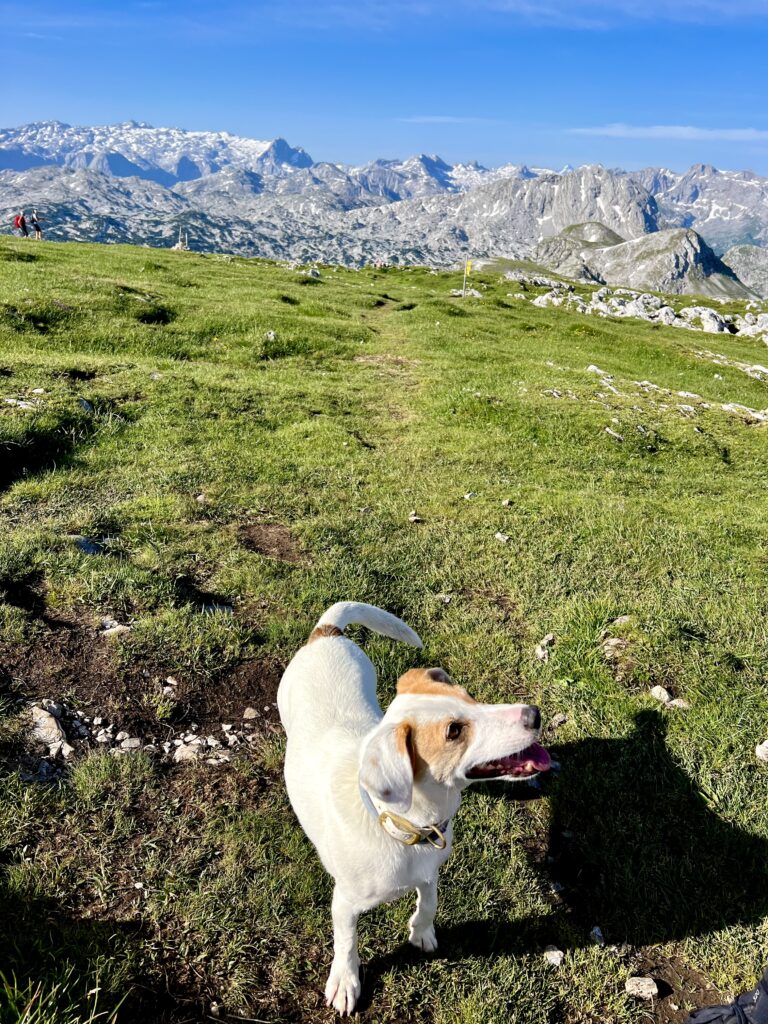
(422,924)
(343,985)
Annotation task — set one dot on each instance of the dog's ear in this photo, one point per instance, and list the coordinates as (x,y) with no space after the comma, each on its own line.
(386,769)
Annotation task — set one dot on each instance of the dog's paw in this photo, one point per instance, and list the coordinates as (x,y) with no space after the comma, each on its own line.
(424,939)
(343,989)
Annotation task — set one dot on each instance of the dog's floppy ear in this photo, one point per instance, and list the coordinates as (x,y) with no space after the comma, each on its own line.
(386,768)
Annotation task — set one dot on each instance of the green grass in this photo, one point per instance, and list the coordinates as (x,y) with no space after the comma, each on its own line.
(173,422)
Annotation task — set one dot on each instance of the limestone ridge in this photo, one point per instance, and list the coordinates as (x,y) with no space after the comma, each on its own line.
(677,261)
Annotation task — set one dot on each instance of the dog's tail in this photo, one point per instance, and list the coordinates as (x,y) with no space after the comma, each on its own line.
(345,613)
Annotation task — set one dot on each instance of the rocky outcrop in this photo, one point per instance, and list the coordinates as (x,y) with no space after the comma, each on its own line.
(750,264)
(676,261)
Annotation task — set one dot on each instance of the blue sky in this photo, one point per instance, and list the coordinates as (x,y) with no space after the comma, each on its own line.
(545,82)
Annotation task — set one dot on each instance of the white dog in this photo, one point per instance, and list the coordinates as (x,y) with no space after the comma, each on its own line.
(376,792)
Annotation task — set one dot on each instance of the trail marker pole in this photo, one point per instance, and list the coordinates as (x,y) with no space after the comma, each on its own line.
(467,268)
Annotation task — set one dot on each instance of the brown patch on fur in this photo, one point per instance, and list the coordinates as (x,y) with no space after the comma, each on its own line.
(326,630)
(404,742)
(433,752)
(432,681)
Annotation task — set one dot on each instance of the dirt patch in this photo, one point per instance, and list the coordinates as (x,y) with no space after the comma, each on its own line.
(252,684)
(681,989)
(68,660)
(273,540)
(75,374)
(386,360)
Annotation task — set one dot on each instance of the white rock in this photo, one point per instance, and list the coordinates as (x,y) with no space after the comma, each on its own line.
(46,728)
(542,647)
(184,753)
(642,988)
(761,751)
(98,720)
(679,703)
(122,736)
(613,434)
(102,736)
(117,630)
(661,694)
(554,956)
(132,743)
(67,750)
(558,720)
(226,727)
(414,517)
(250,713)
(503,537)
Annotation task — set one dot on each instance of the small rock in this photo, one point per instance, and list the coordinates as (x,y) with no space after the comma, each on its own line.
(46,728)
(661,694)
(212,741)
(226,727)
(542,648)
(67,750)
(444,598)
(250,713)
(200,499)
(503,537)
(122,736)
(469,495)
(168,691)
(613,434)
(184,753)
(642,988)
(507,503)
(597,936)
(90,547)
(171,681)
(132,743)
(413,517)
(52,707)
(761,751)
(558,720)
(98,720)
(150,748)
(554,956)
(85,404)
(155,376)
(117,752)
(38,391)
(102,736)
(678,702)
(116,630)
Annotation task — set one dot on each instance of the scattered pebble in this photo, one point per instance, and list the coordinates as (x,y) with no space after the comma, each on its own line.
(642,988)
(444,598)
(185,753)
(554,956)
(558,720)
(661,694)
(503,537)
(680,703)
(86,405)
(761,751)
(250,713)
(469,495)
(542,648)
(507,503)
(413,517)
(46,728)
(613,434)
(132,743)
(597,936)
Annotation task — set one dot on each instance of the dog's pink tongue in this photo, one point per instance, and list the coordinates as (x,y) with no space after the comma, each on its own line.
(537,758)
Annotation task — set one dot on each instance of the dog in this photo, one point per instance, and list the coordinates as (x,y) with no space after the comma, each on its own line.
(376,792)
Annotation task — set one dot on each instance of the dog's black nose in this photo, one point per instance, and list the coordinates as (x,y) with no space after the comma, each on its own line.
(531,717)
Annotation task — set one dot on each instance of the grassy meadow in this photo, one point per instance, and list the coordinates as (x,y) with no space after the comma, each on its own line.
(213,450)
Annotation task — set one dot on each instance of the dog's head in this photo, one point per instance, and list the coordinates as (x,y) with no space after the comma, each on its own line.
(435,734)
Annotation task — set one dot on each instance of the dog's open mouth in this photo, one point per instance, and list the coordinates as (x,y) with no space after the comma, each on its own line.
(522,765)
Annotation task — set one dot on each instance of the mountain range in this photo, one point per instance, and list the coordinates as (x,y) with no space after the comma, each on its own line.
(131,182)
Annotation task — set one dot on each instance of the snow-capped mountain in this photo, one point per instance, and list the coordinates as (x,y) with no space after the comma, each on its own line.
(132,182)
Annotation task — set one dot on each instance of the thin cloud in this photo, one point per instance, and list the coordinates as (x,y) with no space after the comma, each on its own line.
(679,132)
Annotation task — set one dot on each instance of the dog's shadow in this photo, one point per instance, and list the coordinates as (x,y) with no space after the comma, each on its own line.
(639,850)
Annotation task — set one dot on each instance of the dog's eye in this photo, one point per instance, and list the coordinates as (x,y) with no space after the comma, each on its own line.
(454,730)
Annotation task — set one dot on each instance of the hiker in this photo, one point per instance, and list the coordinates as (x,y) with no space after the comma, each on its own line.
(35,222)
(20,223)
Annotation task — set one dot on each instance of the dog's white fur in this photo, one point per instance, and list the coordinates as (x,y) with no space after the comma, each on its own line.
(344,758)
